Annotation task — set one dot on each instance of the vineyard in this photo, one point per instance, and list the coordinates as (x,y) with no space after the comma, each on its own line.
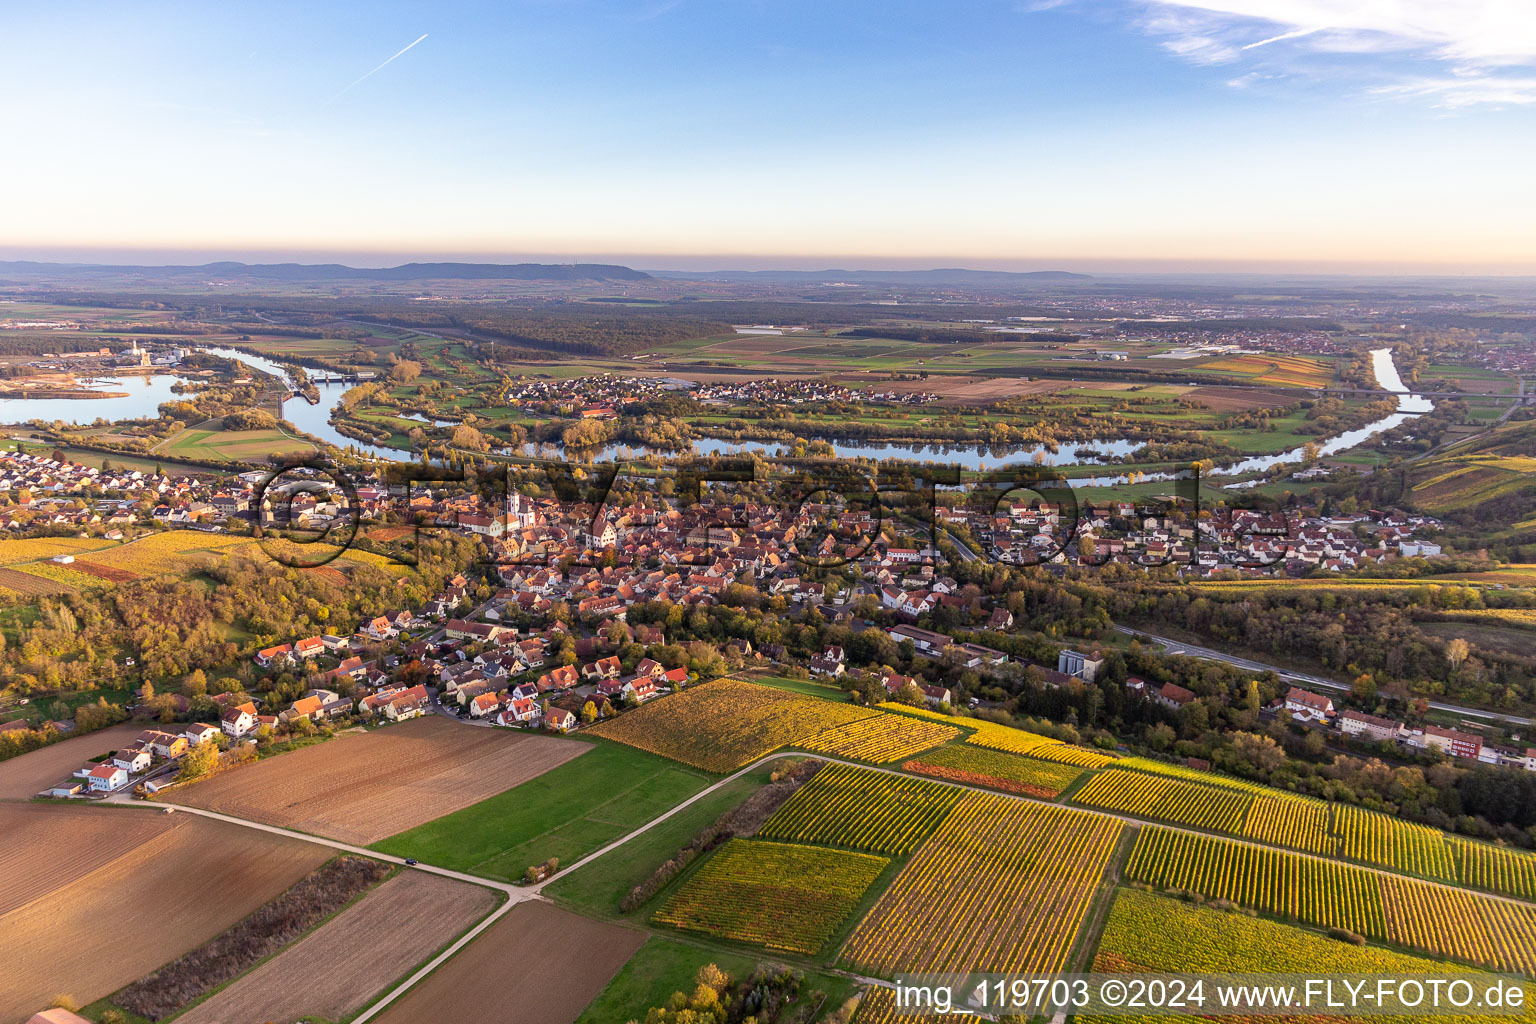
(34,549)
(1284,884)
(1185,803)
(1147,932)
(63,575)
(1446,922)
(174,551)
(1291,821)
(864,810)
(725,724)
(1461,925)
(1375,838)
(1497,869)
(881,738)
(879,1007)
(977,766)
(1001,886)
(1015,741)
(776,895)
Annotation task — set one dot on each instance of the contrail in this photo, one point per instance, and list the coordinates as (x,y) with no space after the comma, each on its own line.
(379,68)
(1251,46)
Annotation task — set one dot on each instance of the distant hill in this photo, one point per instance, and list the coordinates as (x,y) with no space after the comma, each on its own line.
(306,272)
(952,276)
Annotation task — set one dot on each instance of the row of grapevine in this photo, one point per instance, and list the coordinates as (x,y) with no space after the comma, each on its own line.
(1436,919)
(866,810)
(1375,838)
(776,895)
(1002,886)
(1285,884)
(1497,869)
(976,766)
(880,738)
(1163,799)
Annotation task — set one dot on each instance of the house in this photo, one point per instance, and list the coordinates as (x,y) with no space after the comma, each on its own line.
(1084,666)
(650,669)
(1453,742)
(306,707)
(132,760)
(559,720)
(163,744)
(407,704)
(602,668)
(1172,695)
(199,733)
(676,677)
(925,640)
(1306,706)
(484,705)
(520,712)
(379,629)
(106,777)
(237,722)
(282,653)
(1357,723)
(309,647)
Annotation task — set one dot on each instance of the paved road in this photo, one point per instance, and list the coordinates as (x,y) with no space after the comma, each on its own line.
(1194,651)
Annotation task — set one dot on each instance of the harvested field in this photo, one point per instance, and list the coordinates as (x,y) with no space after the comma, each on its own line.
(361,788)
(23,777)
(1220,399)
(341,966)
(188,978)
(109,573)
(562,962)
(97,836)
(192,880)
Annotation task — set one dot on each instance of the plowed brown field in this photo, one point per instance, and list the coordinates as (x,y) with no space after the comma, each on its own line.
(339,967)
(22,778)
(537,965)
(360,788)
(92,934)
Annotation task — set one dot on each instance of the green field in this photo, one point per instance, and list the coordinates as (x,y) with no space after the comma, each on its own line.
(210,441)
(566,813)
(597,889)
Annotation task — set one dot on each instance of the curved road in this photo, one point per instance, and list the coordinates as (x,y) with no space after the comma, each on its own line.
(1180,647)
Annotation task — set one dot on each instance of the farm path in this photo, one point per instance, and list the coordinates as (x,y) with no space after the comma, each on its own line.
(515,893)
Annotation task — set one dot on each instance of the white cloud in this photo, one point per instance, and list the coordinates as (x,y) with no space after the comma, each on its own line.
(1487,46)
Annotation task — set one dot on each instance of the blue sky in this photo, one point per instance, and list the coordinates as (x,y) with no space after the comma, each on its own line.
(1155,134)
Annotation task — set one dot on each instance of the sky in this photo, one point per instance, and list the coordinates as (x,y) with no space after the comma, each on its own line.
(1352,135)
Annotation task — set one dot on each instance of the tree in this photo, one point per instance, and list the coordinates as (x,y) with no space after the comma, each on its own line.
(199,761)
(1456,652)
(405,371)
(588,713)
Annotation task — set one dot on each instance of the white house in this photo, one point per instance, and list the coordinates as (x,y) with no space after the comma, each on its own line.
(106,777)
(237,722)
(132,760)
(1306,706)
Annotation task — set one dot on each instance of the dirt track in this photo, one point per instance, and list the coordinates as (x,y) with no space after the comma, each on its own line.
(360,788)
(92,934)
(335,970)
(537,965)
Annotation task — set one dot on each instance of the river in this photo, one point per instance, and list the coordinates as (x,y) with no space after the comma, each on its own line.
(146,393)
